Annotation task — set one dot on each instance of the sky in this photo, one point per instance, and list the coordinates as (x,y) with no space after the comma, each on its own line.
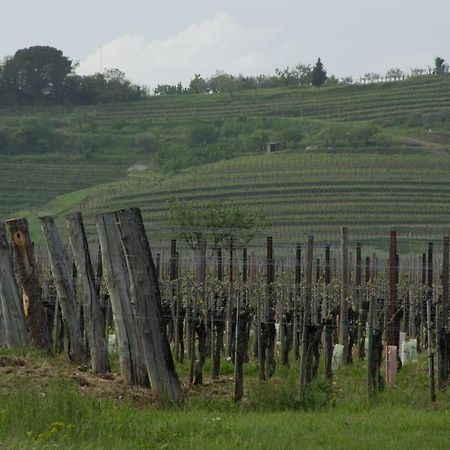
(170,41)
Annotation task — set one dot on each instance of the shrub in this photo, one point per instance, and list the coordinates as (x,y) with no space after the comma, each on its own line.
(146,142)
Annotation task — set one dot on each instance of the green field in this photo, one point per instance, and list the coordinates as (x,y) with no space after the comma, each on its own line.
(51,404)
(328,175)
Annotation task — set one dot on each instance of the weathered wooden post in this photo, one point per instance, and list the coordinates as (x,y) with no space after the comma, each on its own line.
(200,320)
(218,325)
(116,278)
(429,299)
(393,330)
(38,330)
(343,312)
(297,318)
(307,323)
(230,303)
(10,304)
(146,297)
(242,318)
(328,329)
(269,312)
(94,321)
(64,287)
(443,361)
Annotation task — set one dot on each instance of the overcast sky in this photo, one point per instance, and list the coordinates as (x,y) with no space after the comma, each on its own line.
(169,41)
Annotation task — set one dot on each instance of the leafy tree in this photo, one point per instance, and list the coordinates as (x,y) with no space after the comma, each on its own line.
(203,133)
(217,221)
(198,85)
(221,83)
(318,74)
(439,66)
(37,74)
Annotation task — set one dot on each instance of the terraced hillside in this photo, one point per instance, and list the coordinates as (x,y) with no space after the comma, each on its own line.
(357,102)
(302,193)
(400,180)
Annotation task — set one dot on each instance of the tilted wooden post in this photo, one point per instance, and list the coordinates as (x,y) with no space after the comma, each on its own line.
(13,316)
(64,287)
(38,330)
(94,321)
(146,297)
(116,277)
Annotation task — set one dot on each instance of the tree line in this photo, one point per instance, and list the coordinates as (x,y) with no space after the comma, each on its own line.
(43,75)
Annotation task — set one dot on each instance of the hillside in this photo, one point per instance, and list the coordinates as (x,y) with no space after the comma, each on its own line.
(373,157)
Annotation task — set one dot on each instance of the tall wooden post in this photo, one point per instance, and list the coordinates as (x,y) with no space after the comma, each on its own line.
(328,329)
(393,321)
(38,330)
(94,321)
(146,297)
(297,318)
(307,322)
(269,310)
(65,289)
(345,281)
(443,361)
(117,282)
(10,303)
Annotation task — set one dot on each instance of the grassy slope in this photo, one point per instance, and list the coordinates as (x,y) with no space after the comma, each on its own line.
(403,184)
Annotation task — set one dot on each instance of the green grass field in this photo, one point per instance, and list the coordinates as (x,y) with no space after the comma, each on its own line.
(50,404)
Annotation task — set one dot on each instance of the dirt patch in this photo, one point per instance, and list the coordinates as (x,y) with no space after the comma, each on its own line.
(11,361)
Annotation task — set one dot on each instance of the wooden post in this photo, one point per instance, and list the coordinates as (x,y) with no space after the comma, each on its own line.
(429,299)
(297,323)
(10,304)
(343,313)
(200,321)
(94,320)
(146,297)
(230,303)
(328,329)
(59,263)
(269,311)
(38,330)
(307,322)
(116,277)
(443,329)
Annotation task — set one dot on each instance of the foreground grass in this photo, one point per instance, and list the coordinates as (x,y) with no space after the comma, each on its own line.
(58,414)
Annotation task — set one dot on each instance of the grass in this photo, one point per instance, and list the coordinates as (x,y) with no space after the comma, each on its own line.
(58,413)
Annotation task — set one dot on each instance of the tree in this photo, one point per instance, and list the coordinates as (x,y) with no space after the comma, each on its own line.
(217,221)
(439,66)
(198,85)
(395,74)
(318,74)
(37,74)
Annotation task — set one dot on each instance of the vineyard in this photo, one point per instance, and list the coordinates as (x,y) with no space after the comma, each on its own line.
(331,322)
(186,322)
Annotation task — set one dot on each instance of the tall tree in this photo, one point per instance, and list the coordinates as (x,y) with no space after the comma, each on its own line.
(37,74)
(318,74)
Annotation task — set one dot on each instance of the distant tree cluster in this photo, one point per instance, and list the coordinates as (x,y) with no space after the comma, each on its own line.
(42,75)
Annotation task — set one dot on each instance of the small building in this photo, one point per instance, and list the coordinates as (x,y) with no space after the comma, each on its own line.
(270,147)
